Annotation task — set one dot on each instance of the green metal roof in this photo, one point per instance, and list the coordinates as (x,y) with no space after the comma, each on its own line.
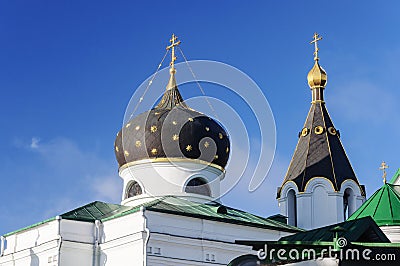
(96,210)
(383,206)
(30,226)
(359,230)
(173,205)
(177,206)
(395,177)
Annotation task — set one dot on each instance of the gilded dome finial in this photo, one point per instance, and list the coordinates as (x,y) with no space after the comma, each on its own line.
(383,167)
(315,40)
(172,96)
(174,42)
(317,77)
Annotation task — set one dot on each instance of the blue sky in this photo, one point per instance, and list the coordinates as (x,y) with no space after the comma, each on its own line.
(69,68)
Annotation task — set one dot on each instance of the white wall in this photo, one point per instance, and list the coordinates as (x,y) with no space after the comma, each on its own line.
(173,240)
(392,232)
(319,205)
(169,178)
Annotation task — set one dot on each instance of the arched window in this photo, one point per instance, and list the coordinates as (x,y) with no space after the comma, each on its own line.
(134,189)
(348,203)
(198,186)
(292,208)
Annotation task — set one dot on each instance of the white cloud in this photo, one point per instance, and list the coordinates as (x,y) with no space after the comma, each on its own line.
(35,143)
(108,188)
(69,176)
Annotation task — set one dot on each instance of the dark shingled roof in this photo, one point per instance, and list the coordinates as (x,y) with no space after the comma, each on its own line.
(319,155)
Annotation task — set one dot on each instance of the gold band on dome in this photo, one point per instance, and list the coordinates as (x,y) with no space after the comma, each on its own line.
(162,160)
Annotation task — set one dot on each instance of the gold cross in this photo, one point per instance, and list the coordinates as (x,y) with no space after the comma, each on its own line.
(383,167)
(315,40)
(173,44)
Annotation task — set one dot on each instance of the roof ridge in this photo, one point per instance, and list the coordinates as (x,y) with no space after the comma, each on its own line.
(308,148)
(395,177)
(377,207)
(335,185)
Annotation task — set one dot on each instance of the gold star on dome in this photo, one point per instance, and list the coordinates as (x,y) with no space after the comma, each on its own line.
(153,129)
(138,143)
(227,149)
(126,153)
(116,148)
(175,137)
(128,125)
(190,119)
(207,129)
(220,135)
(206,144)
(189,148)
(154,151)
(174,122)
(216,156)
(137,127)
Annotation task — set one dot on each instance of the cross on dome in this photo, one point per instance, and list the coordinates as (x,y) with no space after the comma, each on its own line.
(171,47)
(315,40)
(383,167)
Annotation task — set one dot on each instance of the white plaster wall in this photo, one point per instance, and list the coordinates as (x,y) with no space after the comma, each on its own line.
(169,178)
(31,237)
(205,229)
(304,210)
(33,256)
(176,240)
(127,250)
(174,250)
(173,240)
(75,253)
(392,232)
(319,205)
(40,245)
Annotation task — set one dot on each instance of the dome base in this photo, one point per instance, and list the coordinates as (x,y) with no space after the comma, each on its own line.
(171,178)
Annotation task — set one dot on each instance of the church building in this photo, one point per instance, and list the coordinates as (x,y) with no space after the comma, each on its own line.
(172,160)
(320,186)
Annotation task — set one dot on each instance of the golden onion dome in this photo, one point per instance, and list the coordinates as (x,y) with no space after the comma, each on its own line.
(317,76)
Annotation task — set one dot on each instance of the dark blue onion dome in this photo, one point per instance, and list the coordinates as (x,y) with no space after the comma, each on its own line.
(172,130)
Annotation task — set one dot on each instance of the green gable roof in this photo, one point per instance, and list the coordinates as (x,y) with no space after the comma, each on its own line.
(102,211)
(96,210)
(357,230)
(177,206)
(383,206)
(395,177)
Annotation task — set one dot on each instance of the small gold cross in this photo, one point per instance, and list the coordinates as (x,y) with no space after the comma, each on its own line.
(315,40)
(172,46)
(383,167)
